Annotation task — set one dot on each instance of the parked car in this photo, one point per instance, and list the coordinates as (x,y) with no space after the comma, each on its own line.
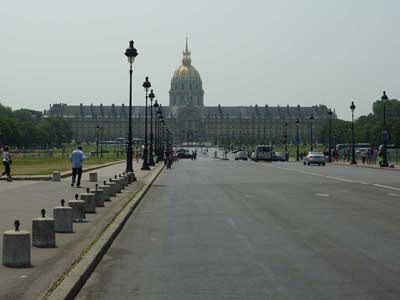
(241,155)
(278,156)
(314,158)
(183,153)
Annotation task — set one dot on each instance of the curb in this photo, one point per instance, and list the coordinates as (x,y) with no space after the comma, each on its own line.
(68,285)
(367,167)
(63,174)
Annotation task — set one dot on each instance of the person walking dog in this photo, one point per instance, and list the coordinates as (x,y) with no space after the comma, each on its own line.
(77,157)
(6,162)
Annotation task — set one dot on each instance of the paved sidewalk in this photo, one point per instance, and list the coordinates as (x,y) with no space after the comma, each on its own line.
(23,200)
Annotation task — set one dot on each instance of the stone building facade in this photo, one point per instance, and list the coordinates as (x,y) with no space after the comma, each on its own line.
(192,122)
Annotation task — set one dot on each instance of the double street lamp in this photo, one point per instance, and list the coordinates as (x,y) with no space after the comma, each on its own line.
(353,149)
(311,118)
(385,133)
(145,166)
(156,133)
(151,161)
(330,113)
(130,53)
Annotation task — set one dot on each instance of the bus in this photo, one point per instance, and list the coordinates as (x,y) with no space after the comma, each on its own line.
(341,148)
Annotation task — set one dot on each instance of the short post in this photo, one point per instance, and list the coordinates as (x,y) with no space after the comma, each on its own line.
(56,176)
(78,210)
(106,191)
(93,177)
(17,247)
(113,187)
(98,196)
(122,180)
(63,218)
(43,232)
(118,186)
(90,202)
(126,179)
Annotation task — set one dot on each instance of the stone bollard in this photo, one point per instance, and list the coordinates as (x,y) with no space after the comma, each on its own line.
(124,180)
(98,195)
(78,210)
(17,247)
(93,177)
(120,181)
(113,187)
(119,184)
(56,176)
(90,202)
(106,191)
(43,233)
(63,220)
(132,177)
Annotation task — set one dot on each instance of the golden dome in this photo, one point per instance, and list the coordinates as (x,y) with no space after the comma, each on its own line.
(186,71)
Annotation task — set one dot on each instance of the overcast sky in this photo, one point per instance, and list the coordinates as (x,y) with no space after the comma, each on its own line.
(261,52)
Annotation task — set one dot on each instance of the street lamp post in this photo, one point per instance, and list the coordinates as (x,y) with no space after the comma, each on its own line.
(162,123)
(130,53)
(156,144)
(353,149)
(297,139)
(101,140)
(311,118)
(145,166)
(151,161)
(385,133)
(160,129)
(330,113)
(97,140)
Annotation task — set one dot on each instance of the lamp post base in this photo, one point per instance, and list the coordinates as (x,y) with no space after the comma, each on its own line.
(145,167)
(353,162)
(151,162)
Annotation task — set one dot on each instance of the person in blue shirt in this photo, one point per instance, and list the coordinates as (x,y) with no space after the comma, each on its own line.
(77,157)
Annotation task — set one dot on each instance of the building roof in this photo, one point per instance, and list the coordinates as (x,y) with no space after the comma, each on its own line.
(231,112)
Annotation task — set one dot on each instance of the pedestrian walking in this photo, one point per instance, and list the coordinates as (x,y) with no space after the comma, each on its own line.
(77,157)
(6,162)
(363,156)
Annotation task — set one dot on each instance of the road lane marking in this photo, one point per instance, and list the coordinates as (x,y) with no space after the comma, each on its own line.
(336,178)
(393,195)
(386,187)
(347,180)
(322,195)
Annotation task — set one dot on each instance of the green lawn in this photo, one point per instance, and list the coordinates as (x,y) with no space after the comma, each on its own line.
(45,166)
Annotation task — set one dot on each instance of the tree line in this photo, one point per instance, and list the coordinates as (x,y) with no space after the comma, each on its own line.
(367,129)
(24,128)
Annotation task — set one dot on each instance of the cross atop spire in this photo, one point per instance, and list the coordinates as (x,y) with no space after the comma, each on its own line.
(186,55)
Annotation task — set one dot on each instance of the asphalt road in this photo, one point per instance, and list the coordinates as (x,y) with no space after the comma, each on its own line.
(212,229)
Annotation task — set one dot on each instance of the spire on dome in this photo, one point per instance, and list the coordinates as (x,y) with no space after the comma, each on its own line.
(186,55)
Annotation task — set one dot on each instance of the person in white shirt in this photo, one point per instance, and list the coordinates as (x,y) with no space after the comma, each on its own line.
(77,157)
(6,162)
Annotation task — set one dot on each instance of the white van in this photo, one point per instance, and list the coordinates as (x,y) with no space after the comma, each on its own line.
(263,152)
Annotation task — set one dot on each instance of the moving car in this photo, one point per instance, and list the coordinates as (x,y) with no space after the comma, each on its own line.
(241,155)
(314,158)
